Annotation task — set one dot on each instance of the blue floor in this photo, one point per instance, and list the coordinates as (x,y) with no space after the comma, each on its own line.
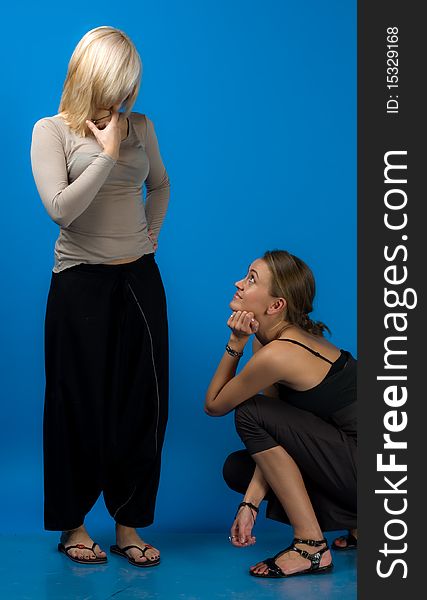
(194,567)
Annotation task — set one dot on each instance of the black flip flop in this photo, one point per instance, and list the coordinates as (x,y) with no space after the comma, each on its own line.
(350,545)
(82,561)
(122,552)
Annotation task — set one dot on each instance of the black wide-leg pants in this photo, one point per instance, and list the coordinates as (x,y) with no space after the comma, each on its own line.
(106,398)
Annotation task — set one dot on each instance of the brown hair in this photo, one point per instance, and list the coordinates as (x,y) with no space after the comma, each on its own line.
(293,280)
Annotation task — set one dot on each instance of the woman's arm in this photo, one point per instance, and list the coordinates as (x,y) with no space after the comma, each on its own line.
(227,390)
(64,202)
(157,183)
(257,489)
(241,530)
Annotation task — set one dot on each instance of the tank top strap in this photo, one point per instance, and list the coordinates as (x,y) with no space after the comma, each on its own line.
(307,348)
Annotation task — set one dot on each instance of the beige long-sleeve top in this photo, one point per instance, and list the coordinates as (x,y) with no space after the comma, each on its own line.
(98,201)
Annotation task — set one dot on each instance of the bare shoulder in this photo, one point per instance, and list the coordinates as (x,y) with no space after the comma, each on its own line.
(284,353)
(272,363)
(300,346)
(273,353)
(294,360)
(269,356)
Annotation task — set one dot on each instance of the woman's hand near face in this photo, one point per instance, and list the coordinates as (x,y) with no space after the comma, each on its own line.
(108,138)
(242,323)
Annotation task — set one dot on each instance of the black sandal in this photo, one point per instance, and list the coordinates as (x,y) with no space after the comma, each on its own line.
(122,552)
(351,542)
(275,572)
(82,561)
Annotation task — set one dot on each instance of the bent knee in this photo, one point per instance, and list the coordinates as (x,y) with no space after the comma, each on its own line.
(238,470)
(247,414)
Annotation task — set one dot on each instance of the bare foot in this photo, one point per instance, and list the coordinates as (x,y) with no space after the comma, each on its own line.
(81,536)
(292,562)
(128,536)
(342,541)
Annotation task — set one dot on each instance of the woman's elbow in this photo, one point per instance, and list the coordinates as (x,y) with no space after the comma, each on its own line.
(56,213)
(212,411)
(61,221)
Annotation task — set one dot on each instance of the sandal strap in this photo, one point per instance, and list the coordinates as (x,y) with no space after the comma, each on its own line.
(145,548)
(310,542)
(314,558)
(273,567)
(288,549)
(142,550)
(126,548)
(81,547)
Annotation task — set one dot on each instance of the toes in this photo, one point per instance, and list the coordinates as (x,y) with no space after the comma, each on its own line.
(152,554)
(99,553)
(86,555)
(259,568)
(140,559)
(135,555)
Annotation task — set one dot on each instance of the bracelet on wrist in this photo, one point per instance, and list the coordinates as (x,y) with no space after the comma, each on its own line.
(232,352)
(250,505)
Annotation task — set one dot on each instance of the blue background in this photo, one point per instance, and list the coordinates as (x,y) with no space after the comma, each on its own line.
(255,110)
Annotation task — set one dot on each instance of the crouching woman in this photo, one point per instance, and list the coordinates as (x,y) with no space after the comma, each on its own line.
(295,411)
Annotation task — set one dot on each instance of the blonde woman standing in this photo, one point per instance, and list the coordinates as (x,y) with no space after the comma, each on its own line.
(106,336)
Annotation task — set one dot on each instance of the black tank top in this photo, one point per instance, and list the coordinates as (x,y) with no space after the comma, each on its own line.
(336,391)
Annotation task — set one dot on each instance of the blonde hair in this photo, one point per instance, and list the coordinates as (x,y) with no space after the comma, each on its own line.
(105,68)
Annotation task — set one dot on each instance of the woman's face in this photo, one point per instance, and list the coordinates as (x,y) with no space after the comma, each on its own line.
(253,292)
(104,115)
